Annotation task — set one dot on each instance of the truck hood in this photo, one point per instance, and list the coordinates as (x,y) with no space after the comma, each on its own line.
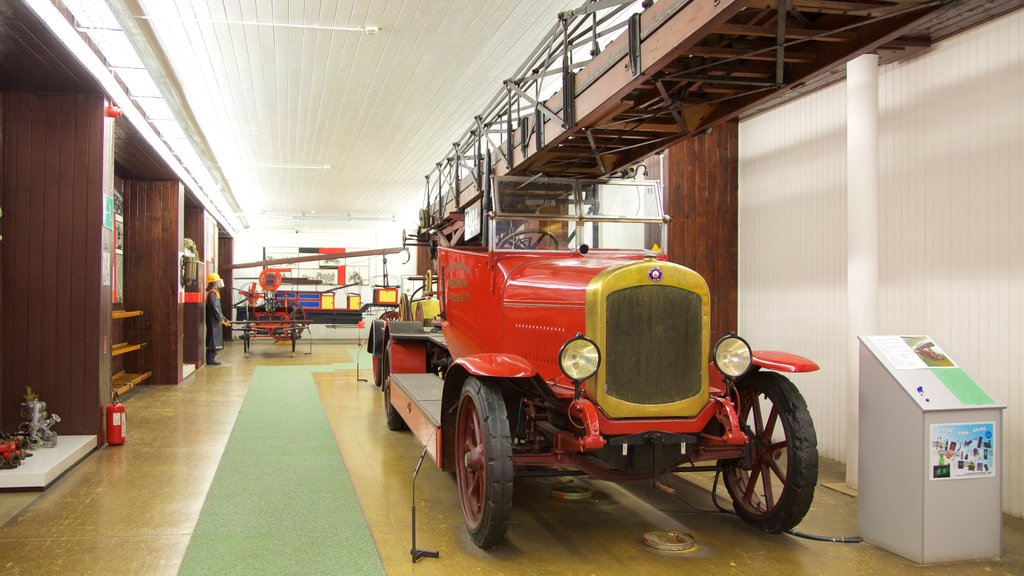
(559,281)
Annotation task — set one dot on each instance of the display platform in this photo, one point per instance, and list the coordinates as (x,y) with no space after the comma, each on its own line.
(47,464)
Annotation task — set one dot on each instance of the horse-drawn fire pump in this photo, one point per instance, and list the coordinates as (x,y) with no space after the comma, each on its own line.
(262,313)
(566,339)
(265,310)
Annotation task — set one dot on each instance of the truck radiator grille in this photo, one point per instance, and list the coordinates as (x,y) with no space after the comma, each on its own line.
(653,350)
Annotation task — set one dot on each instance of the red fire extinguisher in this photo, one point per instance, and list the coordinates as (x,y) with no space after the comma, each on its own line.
(117,422)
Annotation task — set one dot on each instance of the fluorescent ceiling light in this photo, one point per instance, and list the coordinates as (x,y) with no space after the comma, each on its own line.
(325,27)
(140,84)
(116,48)
(155,108)
(290,166)
(177,144)
(170,129)
(92,14)
(189,158)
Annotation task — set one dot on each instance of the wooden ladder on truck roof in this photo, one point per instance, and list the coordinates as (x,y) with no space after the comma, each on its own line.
(615,81)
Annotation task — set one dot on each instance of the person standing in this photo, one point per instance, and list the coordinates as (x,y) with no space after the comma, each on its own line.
(214,318)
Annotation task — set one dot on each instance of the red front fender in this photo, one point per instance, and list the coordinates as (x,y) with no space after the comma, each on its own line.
(497,366)
(783,361)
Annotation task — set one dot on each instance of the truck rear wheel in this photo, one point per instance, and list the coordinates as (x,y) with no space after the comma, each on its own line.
(483,462)
(391,416)
(773,490)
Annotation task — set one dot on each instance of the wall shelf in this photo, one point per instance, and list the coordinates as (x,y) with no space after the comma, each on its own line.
(125,381)
(124,348)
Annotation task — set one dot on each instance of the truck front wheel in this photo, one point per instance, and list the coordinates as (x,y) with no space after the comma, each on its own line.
(772,491)
(483,462)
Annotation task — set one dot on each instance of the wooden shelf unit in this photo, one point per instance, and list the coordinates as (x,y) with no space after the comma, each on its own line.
(124,381)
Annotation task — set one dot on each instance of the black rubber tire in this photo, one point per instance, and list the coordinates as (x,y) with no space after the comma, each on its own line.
(759,507)
(392,417)
(485,490)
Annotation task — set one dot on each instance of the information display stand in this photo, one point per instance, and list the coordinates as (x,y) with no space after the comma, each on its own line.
(930,454)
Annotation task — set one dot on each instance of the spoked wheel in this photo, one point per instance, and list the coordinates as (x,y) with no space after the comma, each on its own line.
(391,416)
(483,463)
(773,490)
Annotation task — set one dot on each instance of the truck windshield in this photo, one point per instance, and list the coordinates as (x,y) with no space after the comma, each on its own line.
(562,214)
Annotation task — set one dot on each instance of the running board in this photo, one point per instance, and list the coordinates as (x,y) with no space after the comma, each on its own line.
(417,397)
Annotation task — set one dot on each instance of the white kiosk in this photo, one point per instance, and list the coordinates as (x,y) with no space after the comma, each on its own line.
(930,454)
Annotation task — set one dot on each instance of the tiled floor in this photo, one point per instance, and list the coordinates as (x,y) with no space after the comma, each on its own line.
(131,509)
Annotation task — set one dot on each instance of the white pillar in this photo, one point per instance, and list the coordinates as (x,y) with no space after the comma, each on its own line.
(861,231)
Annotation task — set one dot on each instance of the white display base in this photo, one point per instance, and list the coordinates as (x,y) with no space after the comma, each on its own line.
(47,464)
(187,370)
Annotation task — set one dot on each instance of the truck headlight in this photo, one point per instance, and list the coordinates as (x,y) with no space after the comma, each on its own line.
(579,358)
(732,356)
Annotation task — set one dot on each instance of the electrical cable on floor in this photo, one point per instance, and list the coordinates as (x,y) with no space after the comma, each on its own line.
(837,539)
(797,533)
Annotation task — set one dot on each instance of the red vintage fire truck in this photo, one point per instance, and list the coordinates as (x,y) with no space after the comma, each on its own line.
(566,342)
(566,339)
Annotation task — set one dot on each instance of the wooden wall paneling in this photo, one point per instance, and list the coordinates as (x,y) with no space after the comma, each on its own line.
(52,198)
(194,321)
(63,308)
(35,373)
(226,257)
(152,216)
(3,185)
(44,276)
(701,197)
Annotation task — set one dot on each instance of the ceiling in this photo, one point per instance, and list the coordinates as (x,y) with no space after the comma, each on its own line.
(304,118)
(310,118)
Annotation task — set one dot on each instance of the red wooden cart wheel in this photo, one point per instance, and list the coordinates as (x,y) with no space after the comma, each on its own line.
(773,491)
(483,463)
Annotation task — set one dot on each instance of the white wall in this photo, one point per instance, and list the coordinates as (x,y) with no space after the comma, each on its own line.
(792,278)
(952,250)
(357,236)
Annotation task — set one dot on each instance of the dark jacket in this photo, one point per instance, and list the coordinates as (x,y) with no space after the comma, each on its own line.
(214,316)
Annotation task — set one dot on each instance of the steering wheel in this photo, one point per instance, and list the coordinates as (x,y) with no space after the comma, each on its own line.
(520,240)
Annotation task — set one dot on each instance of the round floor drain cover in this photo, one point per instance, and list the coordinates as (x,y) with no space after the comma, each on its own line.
(571,492)
(669,540)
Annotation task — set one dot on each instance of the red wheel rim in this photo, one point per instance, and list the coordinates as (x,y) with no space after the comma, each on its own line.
(760,488)
(471,460)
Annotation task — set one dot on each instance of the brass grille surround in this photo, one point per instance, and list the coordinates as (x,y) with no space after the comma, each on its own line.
(654,340)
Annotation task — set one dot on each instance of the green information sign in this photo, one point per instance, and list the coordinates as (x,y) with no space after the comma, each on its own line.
(108,212)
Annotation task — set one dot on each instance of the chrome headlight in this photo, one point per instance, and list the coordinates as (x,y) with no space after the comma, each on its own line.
(579,358)
(732,356)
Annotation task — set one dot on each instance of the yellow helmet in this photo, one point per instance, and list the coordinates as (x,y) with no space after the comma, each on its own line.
(212,277)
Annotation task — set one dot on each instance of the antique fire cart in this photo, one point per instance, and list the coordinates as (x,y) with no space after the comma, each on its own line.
(561,347)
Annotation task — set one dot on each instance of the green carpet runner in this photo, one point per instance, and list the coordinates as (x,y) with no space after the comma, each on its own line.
(281,501)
